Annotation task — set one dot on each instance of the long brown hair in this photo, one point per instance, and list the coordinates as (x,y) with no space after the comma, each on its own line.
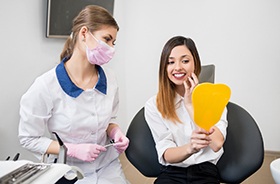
(93,17)
(166,93)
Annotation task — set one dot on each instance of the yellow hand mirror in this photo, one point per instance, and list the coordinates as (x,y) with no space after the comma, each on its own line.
(209,101)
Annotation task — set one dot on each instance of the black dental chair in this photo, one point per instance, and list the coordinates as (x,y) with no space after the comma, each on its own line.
(243,148)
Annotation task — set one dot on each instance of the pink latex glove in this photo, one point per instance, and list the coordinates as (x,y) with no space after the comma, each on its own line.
(121,141)
(85,152)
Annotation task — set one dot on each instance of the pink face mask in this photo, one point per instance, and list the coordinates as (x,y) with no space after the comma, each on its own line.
(101,54)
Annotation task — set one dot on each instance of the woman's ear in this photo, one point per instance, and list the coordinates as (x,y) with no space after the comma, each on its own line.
(82,33)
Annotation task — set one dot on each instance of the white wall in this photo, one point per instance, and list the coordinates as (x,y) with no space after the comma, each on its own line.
(240,37)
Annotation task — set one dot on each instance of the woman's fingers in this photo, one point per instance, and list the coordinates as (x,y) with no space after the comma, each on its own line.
(195,78)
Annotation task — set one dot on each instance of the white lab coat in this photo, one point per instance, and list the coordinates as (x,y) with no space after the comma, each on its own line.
(56,103)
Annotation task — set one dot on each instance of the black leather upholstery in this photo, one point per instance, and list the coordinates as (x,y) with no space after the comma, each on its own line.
(243,148)
(141,151)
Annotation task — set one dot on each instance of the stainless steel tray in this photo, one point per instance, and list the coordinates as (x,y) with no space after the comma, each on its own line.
(24,174)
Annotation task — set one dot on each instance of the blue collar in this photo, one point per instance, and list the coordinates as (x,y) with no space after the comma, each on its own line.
(70,88)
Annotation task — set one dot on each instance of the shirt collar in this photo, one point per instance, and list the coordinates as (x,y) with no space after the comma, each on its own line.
(178,99)
(70,88)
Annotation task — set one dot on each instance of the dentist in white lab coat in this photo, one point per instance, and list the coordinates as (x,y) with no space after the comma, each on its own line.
(78,99)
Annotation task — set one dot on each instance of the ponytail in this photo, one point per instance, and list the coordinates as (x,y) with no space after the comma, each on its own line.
(67,49)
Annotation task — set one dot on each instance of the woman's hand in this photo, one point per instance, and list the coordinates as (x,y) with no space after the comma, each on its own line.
(121,141)
(86,152)
(200,139)
(189,86)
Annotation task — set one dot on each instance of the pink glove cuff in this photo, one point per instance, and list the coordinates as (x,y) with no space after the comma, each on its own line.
(70,149)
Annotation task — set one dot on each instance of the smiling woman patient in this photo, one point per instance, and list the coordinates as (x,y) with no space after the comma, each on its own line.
(188,153)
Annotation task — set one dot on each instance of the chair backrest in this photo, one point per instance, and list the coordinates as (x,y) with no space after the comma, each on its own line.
(243,148)
(207,73)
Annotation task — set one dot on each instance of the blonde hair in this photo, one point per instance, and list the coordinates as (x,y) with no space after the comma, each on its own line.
(166,94)
(93,17)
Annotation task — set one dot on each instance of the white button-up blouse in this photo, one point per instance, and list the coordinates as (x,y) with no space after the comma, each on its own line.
(168,134)
(55,103)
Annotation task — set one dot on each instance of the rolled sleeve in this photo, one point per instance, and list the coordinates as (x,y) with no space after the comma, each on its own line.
(223,123)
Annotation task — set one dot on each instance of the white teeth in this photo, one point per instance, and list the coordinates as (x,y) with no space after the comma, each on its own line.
(179,75)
